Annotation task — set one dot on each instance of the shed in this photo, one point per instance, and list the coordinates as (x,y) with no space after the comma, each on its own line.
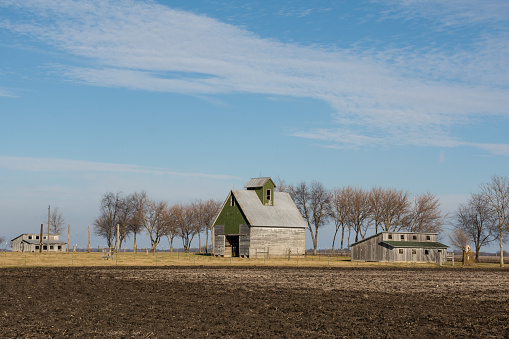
(399,247)
(31,242)
(258,222)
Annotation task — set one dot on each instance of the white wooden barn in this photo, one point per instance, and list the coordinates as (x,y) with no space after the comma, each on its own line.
(259,222)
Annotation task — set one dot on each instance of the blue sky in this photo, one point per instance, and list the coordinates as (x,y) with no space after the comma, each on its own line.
(188,100)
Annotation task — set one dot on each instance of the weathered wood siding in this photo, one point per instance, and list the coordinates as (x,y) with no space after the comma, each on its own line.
(370,250)
(277,240)
(244,240)
(219,240)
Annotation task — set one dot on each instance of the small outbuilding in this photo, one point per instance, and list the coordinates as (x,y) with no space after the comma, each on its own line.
(259,222)
(30,242)
(399,247)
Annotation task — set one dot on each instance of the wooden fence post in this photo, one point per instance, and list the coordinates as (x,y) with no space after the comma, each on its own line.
(88,246)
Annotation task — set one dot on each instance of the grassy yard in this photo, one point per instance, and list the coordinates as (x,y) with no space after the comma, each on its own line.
(10,259)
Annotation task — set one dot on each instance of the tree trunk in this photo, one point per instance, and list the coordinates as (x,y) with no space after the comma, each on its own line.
(315,243)
(501,250)
(207,240)
(334,240)
(342,237)
(477,248)
(199,242)
(134,249)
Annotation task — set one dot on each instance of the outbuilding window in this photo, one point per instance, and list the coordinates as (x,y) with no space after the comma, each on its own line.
(414,251)
(390,236)
(428,237)
(400,251)
(414,237)
(402,237)
(426,252)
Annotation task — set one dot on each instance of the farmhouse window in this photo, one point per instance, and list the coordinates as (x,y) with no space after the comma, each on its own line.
(400,251)
(426,252)
(29,237)
(36,247)
(59,247)
(268,195)
(45,247)
(36,237)
(414,251)
(402,237)
(390,236)
(428,237)
(51,247)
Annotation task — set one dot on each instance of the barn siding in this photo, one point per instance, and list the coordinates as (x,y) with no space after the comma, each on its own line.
(219,240)
(277,240)
(244,240)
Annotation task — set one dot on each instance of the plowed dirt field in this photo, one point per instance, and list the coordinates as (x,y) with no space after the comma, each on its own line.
(253,302)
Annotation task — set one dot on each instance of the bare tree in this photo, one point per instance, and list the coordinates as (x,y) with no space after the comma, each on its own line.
(139,202)
(313,203)
(376,200)
(155,223)
(340,212)
(205,213)
(425,215)
(105,224)
(395,208)
(2,240)
(56,221)
(459,239)
(281,185)
(125,217)
(188,226)
(360,211)
(475,219)
(173,219)
(495,194)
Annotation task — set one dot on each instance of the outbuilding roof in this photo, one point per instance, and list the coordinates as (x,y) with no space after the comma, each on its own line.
(258,182)
(414,244)
(283,213)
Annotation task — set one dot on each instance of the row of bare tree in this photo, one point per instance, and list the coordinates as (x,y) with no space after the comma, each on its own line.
(484,217)
(358,210)
(136,213)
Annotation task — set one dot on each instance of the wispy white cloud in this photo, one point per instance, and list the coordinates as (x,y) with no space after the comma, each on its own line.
(452,12)
(382,97)
(66,165)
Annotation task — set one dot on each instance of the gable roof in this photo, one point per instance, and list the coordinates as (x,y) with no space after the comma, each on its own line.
(283,213)
(414,244)
(258,182)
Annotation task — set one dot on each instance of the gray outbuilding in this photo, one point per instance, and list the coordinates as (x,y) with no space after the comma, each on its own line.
(399,247)
(30,242)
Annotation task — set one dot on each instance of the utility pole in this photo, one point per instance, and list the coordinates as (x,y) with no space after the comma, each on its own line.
(47,237)
(88,246)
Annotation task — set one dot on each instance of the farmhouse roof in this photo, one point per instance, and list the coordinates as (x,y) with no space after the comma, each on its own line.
(258,182)
(283,213)
(414,244)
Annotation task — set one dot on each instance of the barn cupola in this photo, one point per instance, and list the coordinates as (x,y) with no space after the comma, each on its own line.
(264,188)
